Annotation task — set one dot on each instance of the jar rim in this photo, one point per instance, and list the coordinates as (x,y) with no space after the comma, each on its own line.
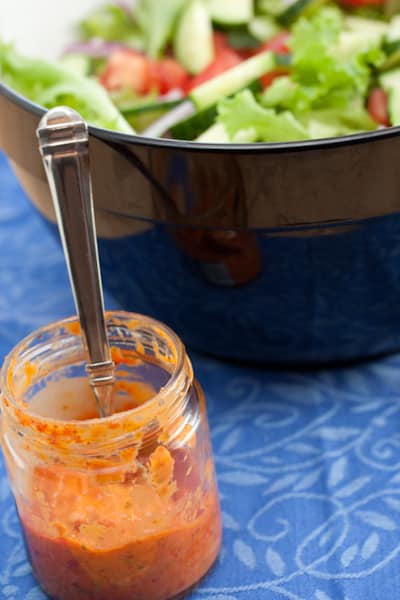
(116,418)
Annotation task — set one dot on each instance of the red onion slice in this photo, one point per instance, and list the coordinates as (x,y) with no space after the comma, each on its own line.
(95,48)
(126,6)
(171,118)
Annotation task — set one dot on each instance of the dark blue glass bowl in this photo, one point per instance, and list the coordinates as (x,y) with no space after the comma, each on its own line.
(271,253)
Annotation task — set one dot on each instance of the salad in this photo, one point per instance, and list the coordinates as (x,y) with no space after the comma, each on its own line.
(240,71)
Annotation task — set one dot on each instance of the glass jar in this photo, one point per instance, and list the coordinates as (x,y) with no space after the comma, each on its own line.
(123,507)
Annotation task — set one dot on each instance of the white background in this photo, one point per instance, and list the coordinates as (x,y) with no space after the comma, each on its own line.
(42,27)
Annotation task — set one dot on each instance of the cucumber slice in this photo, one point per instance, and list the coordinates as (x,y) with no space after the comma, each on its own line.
(283,60)
(230,82)
(272,8)
(392,61)
(144,119)
(216,134)
(241,39)
(392,37)
(359,35)
(390,82)
(132,111)
(391,45)
(77,63)
(231,12)
(141,117)
(393,30)
(297,9)
(193,41)
(263,28)
(194,126)
(360,24)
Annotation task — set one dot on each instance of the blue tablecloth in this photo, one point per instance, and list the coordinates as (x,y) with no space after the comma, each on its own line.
(308,463)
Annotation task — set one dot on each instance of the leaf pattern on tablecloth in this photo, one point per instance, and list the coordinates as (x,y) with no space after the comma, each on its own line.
(308,463)
(275,562)
(244,553)
(370,546)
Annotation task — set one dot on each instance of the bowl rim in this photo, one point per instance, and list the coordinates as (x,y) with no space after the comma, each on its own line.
(190,146)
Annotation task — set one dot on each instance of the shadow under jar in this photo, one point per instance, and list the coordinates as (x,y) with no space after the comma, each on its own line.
(123,507)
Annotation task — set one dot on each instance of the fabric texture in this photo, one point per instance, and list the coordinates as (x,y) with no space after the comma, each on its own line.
(308,462)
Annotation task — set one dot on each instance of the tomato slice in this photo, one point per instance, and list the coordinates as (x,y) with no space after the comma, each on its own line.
(278,44)
(132,70)
(220,42)
(378,106)
(171,76)
(225,60)
(268,79)
(128,69)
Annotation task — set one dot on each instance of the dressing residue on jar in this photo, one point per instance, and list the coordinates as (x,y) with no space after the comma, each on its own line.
(124,507)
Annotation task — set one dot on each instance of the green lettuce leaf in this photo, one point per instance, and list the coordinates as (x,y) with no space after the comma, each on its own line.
(158,22)
(333,122)
(113,24)
(51,85)
(319,79)
(246,121)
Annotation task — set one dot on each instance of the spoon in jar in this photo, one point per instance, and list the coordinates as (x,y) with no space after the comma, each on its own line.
(64,144)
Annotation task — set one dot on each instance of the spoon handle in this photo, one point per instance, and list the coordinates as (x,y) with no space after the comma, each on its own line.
(64,145)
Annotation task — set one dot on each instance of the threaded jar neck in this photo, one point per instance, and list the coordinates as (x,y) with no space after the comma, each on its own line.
(55,355)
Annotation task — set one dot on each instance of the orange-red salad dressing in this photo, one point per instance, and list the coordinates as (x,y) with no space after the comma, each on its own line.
(127,528)
(154,556)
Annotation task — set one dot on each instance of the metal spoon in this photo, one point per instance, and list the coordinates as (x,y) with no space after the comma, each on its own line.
(64,145)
